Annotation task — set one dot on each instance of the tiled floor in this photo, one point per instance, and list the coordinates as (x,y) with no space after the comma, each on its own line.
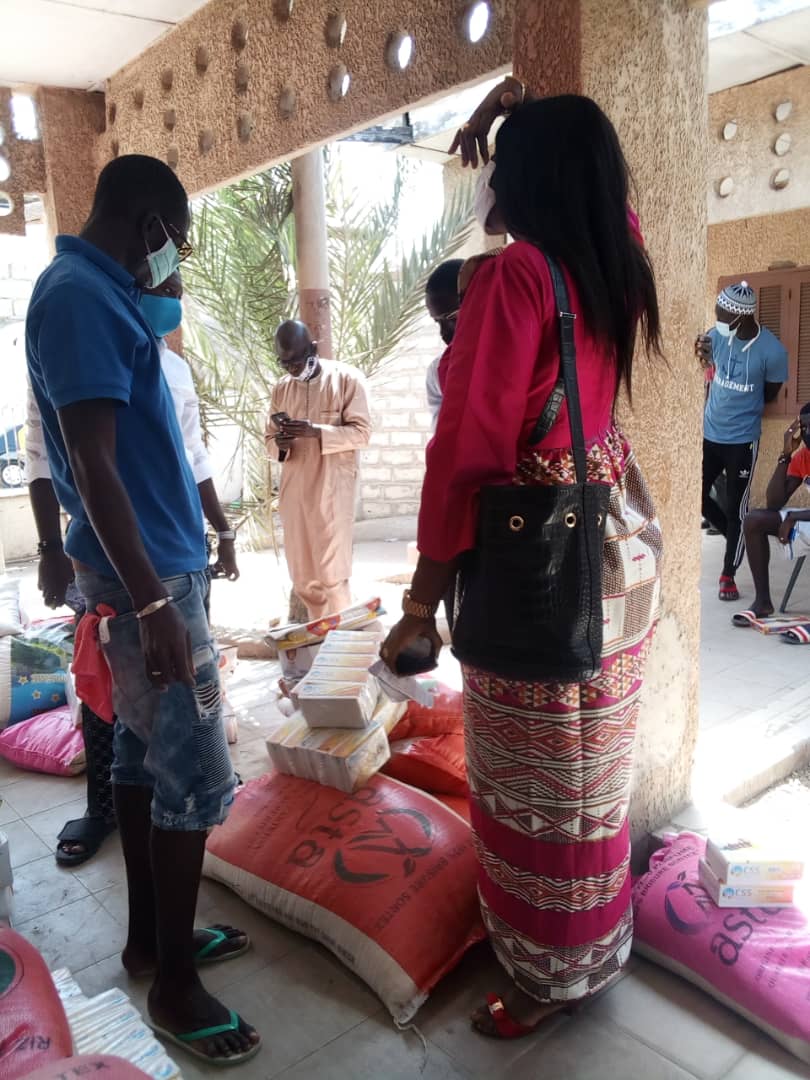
(318,1021)
(742,670)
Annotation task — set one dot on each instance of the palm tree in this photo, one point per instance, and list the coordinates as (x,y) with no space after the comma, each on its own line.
(241,285)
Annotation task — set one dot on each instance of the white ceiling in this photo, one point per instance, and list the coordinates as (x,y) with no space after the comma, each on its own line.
(759,51)
(80,43)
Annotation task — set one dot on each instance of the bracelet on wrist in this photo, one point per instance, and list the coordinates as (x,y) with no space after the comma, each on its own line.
(49,545)
(227,534)
(156,605)
(417,609)
(784,459)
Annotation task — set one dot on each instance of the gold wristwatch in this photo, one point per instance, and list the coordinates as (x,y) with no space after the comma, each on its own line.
(417,610)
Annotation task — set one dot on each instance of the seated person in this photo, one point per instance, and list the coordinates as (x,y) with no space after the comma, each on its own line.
(789,526)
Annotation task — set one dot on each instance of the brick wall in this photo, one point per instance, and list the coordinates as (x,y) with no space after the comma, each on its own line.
(392,468)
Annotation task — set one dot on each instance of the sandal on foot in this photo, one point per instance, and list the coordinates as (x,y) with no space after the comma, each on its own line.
(744,618)
(728,588)
(220,935)
(506,1027)
(185,1041)
(90,832)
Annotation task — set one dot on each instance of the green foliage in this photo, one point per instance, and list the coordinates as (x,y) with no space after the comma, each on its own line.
(241,284)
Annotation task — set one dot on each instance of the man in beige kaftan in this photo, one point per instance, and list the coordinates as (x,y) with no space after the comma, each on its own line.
(319,420)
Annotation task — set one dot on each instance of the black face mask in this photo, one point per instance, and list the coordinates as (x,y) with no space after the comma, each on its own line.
(446,332)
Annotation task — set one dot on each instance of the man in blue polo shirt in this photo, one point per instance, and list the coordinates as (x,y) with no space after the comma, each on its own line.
(745,365)
(136,538)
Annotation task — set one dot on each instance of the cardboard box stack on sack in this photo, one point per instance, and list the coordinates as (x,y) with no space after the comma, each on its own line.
(738,873)
(338,733)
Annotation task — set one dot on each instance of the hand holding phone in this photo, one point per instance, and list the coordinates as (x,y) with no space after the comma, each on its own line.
(279,418)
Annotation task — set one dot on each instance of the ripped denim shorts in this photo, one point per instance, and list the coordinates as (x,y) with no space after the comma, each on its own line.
(172,742)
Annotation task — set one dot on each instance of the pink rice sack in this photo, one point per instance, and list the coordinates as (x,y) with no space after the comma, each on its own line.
(754,960)
(49,743)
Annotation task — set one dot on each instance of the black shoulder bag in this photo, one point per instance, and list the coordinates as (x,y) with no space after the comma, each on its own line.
(530,593)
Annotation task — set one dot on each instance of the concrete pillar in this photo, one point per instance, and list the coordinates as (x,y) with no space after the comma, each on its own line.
(309,205)
(71,122)
(644,62)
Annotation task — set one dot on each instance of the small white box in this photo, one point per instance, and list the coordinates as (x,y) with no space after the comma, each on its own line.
(340,758)
(737,860)
(773,894)
(326,703)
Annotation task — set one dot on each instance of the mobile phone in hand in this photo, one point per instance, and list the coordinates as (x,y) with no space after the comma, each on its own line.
(279,418)
(417,659)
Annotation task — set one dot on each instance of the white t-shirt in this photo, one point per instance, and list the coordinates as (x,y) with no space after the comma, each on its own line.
(434,391)
(177,374)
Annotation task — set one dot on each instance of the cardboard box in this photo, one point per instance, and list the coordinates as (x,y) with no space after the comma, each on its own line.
(329,704)
(340,758)
(737,860)
(744,894)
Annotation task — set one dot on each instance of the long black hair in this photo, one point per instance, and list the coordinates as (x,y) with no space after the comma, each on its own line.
(561,182)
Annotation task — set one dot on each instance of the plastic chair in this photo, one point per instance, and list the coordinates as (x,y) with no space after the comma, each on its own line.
(797,569)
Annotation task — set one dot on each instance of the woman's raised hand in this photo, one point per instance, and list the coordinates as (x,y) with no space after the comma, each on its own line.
(473,138)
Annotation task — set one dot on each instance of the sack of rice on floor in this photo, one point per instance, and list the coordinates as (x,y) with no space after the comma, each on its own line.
(385,877)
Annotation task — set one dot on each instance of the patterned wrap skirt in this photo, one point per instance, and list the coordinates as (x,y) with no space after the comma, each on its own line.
(550,764)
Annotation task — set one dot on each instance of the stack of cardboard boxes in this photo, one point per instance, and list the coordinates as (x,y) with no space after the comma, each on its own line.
(739,873)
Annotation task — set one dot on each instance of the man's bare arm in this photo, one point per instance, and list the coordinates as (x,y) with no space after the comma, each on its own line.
(89,431)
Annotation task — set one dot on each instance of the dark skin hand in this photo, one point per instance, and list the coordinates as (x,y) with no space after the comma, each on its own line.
(55,571)
(89,431)
(225,566)
(473,138)
(430,583)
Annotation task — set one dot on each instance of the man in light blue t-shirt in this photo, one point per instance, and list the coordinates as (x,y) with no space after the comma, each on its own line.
(746,366)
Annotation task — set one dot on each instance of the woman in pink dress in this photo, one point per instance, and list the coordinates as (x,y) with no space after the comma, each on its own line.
(549,763)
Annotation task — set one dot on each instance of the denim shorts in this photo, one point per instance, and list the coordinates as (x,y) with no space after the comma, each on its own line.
(171,741)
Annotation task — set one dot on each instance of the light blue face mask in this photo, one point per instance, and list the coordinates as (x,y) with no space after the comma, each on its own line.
(163,313)
(163,262)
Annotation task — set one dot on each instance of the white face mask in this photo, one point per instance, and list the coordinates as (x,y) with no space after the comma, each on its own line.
(484,198)
(725,329)
(309,370)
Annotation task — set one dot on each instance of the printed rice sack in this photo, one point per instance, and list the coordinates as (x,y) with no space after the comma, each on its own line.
(33,670)
(33,1028)
(754,960)
(446,717)
(48,743)
(385,877)
(435,764)
(11,620)
(110,1068)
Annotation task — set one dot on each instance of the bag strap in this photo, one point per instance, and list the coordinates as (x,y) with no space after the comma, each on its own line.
(551,410)
(568,364)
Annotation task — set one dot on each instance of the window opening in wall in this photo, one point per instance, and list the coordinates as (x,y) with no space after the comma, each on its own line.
(24,117)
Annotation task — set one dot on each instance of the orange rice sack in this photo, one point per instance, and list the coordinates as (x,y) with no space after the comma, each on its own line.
(385,877)
(33,1027)
(445,718)
(434,764)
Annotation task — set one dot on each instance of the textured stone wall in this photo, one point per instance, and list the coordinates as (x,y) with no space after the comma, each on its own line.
(643,61)
(235,86)
(26,163)
(745,247)
(748,159)
(71,123)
